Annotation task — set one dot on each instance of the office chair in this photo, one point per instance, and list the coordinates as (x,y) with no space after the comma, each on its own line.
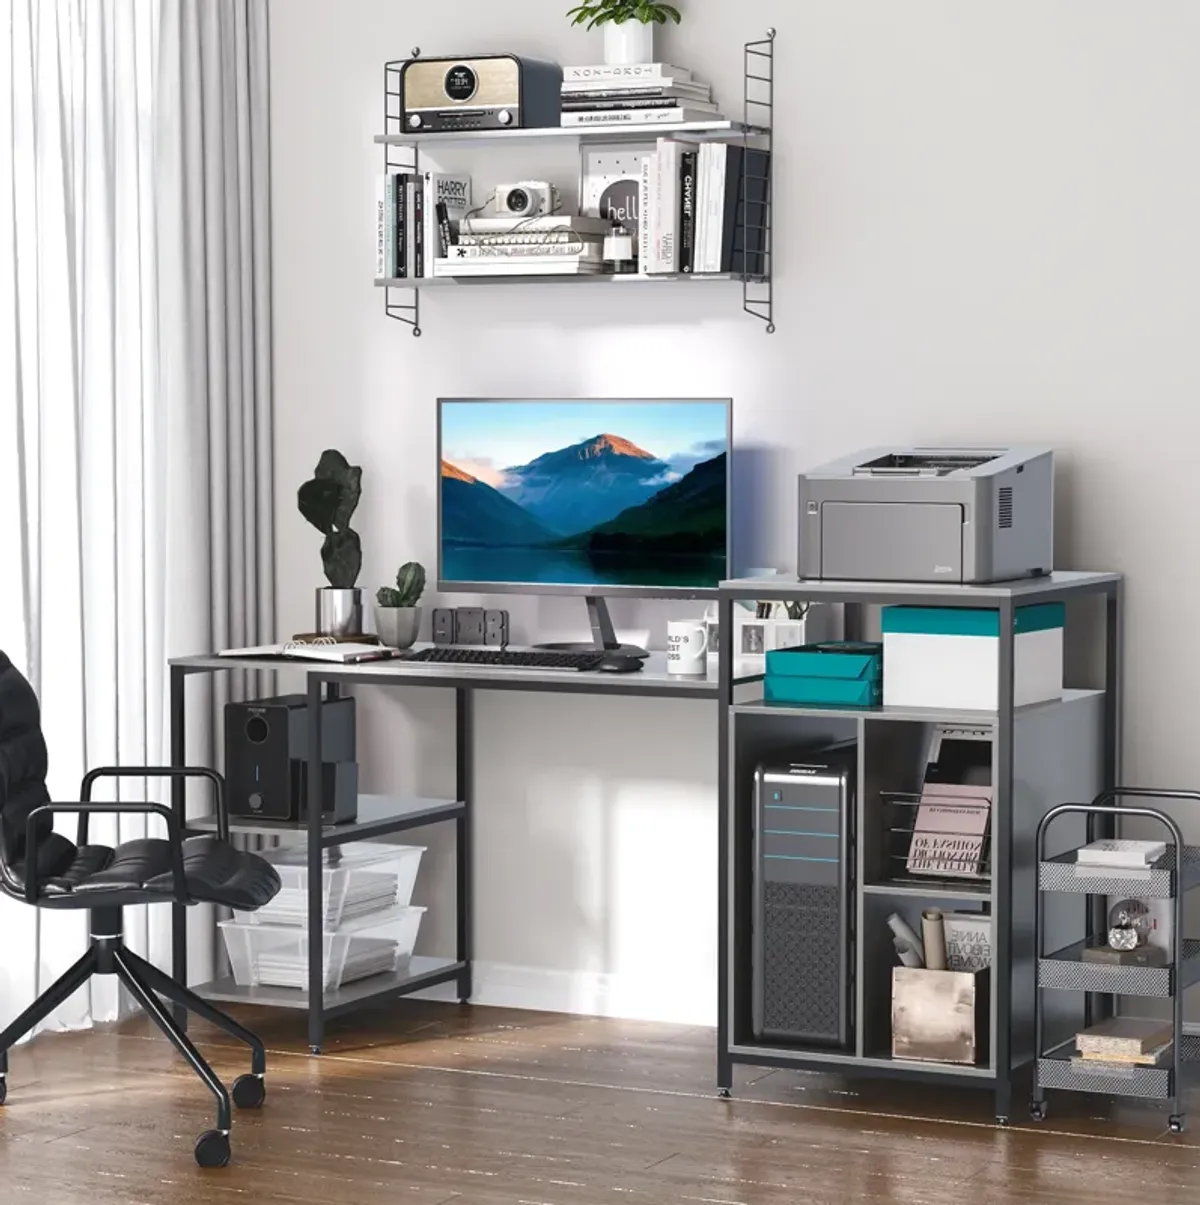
(44,869)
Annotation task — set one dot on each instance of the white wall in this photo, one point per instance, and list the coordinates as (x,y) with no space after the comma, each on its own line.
(987,230)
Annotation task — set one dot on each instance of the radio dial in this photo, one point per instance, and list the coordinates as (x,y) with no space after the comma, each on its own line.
(504,117)
(414,122)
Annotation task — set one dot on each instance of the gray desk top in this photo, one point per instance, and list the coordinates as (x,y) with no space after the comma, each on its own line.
(651,680)
(1055,585)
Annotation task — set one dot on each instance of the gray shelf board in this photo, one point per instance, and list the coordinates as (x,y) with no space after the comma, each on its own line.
(351,995)
(922,715)
(935,889)
(854,1062)
(1066,970)
(1064,874)
(622,133)
(1055,1070)
(376,813)
(1060,582)
(519,278)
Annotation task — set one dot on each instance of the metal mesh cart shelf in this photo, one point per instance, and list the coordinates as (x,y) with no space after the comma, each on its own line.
(1169,878)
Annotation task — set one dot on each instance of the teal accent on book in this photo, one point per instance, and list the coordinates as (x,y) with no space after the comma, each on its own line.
(830,674)
(971,621)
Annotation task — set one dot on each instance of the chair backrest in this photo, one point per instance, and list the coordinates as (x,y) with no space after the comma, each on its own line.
(22,761)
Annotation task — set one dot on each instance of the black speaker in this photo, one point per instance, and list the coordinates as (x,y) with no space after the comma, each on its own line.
(266,758)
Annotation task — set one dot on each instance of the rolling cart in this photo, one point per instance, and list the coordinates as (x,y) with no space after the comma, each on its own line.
(1174,874)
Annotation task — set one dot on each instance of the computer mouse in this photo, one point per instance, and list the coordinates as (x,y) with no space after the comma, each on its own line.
(619,663)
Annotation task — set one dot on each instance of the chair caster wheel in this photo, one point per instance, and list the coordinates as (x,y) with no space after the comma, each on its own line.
(314,1050)
(212,1149)
(724,1093)
(249,1091)
(1002,1119)
(1175,1124)
(1037,1110)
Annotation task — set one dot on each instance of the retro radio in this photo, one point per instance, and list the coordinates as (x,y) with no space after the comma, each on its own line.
(486,92)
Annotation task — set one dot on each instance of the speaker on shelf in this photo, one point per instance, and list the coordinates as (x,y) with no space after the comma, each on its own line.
(266,758)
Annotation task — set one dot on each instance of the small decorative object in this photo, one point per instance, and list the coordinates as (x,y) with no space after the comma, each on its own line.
(397,616)
(328,502)
(628,26)
(619,254)
(1129,925)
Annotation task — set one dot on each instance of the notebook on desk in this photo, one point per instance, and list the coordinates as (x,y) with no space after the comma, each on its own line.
(337,652)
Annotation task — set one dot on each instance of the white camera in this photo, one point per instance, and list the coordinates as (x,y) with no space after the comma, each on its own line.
(528,199)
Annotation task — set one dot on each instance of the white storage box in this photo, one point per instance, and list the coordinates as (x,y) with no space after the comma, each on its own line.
(358,880)
(949,657)
(278,954)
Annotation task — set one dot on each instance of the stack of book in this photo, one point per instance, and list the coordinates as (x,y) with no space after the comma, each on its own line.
(703,207)
(1120,854)
(416,219)
(557,245)
(642,94)
(1124,1042)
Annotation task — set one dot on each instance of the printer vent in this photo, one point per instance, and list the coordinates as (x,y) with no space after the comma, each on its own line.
(1005,511)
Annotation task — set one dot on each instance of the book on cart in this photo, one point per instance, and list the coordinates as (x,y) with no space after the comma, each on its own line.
(1125,1039)
(1121,854)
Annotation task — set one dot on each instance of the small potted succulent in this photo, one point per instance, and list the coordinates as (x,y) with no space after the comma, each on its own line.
(397,616)
(628,26)
(328,502)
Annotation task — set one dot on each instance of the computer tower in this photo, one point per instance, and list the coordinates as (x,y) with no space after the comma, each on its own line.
(803,946)
(266,758)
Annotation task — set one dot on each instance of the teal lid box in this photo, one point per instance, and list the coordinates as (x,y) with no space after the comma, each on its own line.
(971,621)
(830,674)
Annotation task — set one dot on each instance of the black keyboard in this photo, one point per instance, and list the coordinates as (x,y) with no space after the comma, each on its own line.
(535,659)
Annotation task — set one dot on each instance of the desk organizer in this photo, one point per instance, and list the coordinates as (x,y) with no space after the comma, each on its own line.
(949,657)
(357,881)
(278,954)
(833,673)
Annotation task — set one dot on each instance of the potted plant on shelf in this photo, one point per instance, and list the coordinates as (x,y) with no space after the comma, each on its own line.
(628,26)
(397,616)
(328,502)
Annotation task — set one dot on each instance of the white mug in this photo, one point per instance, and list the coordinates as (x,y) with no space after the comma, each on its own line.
(687,644)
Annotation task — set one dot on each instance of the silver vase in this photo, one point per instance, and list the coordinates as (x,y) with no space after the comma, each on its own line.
(339,612)
(398,627)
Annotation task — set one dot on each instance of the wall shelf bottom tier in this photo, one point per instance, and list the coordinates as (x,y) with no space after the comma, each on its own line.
(1056,1070)
(846,1063)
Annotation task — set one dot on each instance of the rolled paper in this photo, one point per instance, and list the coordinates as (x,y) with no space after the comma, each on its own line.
(908,956)
(900,928)
(934,932)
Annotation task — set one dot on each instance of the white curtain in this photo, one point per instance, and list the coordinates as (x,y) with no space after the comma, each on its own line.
(134,397)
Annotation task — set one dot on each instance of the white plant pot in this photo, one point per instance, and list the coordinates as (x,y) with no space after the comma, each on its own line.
(628,43)
(398,627)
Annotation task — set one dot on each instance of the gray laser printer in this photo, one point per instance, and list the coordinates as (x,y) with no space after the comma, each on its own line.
(904,514)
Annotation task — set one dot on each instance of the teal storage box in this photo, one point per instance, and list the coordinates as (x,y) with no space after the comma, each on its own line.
(835,673)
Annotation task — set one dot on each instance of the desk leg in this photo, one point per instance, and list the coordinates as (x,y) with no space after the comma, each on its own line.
(316,906)
(179,952)
(724,862)
(464,737)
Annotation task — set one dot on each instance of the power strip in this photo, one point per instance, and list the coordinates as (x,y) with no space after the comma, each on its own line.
(470,625)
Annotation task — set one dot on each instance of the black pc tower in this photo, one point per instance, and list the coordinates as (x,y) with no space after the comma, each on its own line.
(803,945)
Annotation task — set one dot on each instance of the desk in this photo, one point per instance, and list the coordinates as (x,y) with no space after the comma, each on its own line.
(382,816)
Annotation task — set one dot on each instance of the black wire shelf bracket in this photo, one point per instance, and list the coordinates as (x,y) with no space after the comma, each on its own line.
(753,229)
(758,113)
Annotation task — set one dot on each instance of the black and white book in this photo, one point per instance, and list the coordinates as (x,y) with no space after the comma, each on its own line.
(643,104)
(626,71)
(611,183)
(451,191)
(577,248)
(578,224)
(562,265)
(687,207)
(732,216)
(636,90)
(635,117)
(646,232)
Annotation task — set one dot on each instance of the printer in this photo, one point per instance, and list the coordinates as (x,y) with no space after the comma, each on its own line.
(929,515)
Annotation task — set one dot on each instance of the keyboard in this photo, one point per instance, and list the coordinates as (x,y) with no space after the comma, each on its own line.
(504,659)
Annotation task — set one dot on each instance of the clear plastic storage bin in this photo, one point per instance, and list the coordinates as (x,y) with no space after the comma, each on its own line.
(359,880)
(278,954)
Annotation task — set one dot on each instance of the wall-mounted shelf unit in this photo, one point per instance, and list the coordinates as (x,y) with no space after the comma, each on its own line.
(402,152)
(1041,754)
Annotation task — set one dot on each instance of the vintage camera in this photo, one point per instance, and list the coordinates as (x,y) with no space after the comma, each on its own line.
(528,199)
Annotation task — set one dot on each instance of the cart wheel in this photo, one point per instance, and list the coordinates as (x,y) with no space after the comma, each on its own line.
(1002,1119)
(1037,1110)
(1176,1123)
(724,1093)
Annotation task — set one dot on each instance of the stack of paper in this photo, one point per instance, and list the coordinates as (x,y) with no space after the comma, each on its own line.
(367,892)
(1121,854)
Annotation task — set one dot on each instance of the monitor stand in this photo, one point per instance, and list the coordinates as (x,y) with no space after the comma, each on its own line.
(604,639)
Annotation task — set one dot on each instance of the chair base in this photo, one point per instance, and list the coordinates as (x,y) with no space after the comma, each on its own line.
(108,955)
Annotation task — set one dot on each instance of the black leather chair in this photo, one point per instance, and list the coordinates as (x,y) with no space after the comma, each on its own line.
(44,869)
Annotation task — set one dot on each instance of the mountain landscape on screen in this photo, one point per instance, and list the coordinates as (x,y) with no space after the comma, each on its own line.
(602,511)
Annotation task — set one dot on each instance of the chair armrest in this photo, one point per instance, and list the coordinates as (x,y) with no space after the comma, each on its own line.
(85,791)
(83,810)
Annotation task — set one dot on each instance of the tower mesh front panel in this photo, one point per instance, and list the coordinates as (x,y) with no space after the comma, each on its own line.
(802,992)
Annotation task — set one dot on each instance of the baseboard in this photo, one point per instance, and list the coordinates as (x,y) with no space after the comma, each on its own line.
(586,993)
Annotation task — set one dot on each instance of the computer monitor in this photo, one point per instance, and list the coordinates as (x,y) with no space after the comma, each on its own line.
(584,496)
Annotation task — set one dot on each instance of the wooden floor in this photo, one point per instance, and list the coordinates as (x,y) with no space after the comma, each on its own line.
(431,1103)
